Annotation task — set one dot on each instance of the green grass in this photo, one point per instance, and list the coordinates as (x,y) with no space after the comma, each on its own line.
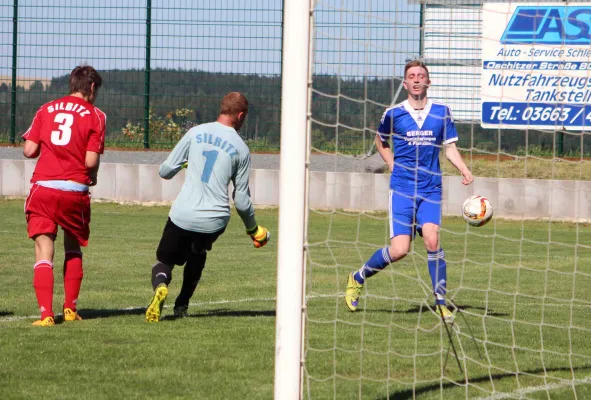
(524,167)
(523,289)
(519,293)
(225,350)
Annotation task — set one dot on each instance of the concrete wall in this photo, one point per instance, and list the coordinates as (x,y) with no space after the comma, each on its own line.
(511,198)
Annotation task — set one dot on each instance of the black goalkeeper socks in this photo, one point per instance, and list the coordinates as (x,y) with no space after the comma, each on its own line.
(161,273)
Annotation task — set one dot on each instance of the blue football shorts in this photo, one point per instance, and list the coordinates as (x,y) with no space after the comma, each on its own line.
(410,211)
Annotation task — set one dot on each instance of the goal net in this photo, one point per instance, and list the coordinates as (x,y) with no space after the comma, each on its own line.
(519,286)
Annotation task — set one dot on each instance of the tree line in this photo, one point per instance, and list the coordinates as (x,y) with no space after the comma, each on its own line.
(345,112)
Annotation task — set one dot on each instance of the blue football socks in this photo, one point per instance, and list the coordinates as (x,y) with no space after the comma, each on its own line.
(377,262)
(438,272)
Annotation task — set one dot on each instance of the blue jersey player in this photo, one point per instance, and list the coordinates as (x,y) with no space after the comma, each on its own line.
(419,128)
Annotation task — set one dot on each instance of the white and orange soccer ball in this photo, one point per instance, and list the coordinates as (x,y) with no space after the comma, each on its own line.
(477,210)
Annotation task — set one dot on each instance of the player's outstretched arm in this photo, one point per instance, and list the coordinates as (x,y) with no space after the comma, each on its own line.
(243,203)
(177,158)
(454,157)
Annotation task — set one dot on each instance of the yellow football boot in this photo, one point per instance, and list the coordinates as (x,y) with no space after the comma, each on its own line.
(47,321)
(155,308)
(71,315)
(352,292)
(444,312)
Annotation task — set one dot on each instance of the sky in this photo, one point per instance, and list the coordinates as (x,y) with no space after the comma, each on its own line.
(353,38)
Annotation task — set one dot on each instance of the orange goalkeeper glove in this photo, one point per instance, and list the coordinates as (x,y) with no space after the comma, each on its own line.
(259,235)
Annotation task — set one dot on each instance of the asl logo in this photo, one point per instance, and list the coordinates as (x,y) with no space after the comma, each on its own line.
(549,25)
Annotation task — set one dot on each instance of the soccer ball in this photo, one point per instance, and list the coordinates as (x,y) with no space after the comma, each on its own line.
(477,210)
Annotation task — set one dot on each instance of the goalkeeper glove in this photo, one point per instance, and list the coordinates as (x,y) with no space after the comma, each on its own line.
(259,235)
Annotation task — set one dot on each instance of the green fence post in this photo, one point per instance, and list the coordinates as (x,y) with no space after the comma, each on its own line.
(14,55)
(147,75)
(560,144)
(422,31)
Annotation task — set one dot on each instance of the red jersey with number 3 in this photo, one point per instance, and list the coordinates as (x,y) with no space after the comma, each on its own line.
(65,129)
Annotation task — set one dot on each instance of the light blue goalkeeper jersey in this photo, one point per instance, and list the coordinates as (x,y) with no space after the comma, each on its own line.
(216,157)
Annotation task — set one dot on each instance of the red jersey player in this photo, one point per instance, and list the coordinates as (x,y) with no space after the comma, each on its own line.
(68,136)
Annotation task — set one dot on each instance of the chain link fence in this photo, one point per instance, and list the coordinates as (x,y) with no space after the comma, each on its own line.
(166,64)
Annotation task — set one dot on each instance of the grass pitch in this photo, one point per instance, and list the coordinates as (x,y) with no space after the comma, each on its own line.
(523,289)
(521,167)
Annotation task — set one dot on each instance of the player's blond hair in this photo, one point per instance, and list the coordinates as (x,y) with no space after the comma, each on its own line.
(415,63)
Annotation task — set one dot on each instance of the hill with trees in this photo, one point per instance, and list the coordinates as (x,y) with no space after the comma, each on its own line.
(345,112)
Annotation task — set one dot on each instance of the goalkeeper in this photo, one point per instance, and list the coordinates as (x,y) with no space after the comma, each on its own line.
(419,128)
(214,155)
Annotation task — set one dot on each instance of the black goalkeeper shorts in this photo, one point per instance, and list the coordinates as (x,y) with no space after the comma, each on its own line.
(177,245)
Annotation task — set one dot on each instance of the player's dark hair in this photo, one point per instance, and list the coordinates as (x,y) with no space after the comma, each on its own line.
(234,103)
(82,78)
(416,63)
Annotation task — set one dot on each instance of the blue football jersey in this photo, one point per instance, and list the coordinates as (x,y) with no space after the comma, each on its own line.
(417,137)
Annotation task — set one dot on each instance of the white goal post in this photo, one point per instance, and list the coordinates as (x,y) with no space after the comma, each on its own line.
(292,203)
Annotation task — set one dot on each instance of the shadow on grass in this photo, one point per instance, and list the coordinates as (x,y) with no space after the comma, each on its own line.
(486,311)
(423,308)
(431,389)
(6,313)
(226,313)
(98,313)
(91,313)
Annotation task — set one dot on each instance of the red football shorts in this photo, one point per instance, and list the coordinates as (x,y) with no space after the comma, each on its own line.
(46,208)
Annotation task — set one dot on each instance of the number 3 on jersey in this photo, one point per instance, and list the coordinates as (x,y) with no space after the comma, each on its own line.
(62,137)
(210,157)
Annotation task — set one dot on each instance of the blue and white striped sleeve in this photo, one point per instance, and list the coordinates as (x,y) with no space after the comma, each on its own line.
(386,126)
(450,134)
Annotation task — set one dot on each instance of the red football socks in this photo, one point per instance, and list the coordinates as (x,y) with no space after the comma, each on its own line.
(43,284)
(73,274)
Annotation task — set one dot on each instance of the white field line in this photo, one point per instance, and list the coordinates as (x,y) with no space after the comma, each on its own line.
(417,300)
(519,393)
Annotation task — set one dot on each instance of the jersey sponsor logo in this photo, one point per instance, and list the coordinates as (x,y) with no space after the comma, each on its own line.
(68,107)
(420,138)
(565,25)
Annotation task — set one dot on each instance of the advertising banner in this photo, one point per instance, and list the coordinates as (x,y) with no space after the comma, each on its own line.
(536,66)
